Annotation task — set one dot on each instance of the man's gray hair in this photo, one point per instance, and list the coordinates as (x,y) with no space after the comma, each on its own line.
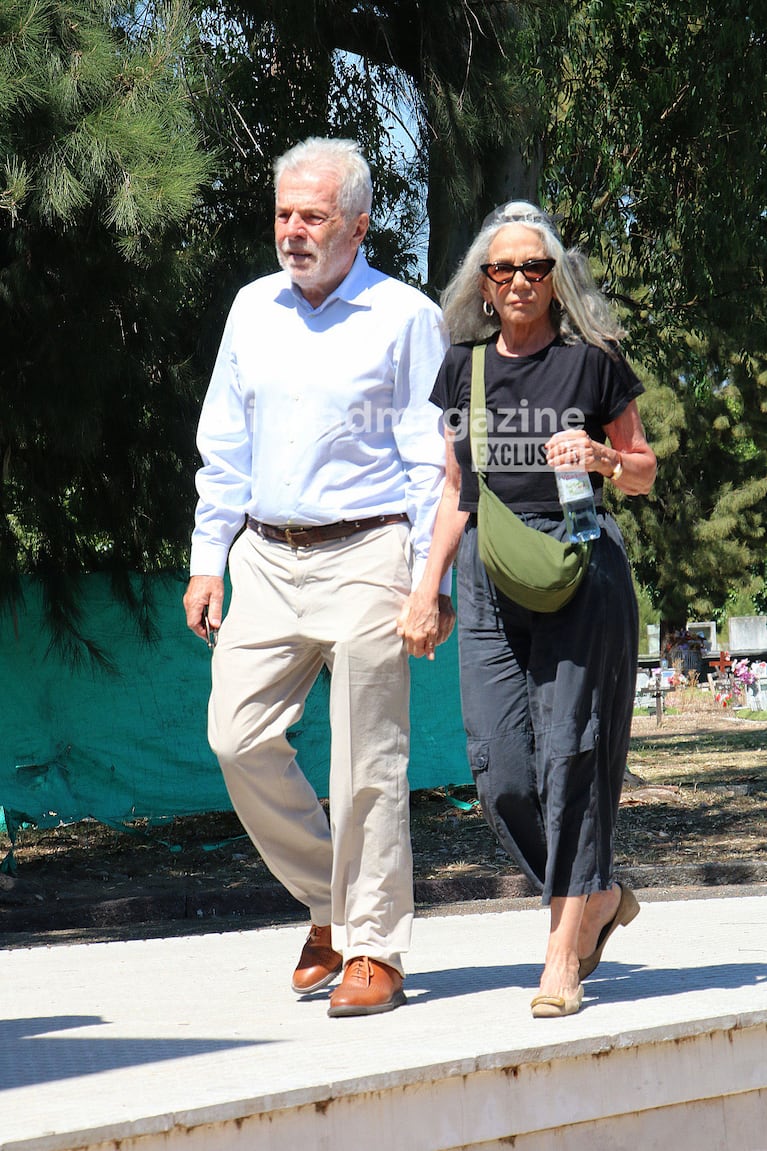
(355,194)
(579,311)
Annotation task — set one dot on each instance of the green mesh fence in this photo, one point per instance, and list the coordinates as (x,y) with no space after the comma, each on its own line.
(117,747)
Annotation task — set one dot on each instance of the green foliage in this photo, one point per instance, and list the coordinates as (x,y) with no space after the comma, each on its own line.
(641,126)
(447,65)
(101,165)
(94,128)
(647,615)
(654,156)
(262,80)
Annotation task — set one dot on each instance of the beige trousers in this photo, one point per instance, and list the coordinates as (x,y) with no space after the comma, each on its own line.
(291,612)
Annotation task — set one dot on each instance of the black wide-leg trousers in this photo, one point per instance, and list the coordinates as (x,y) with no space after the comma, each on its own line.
(547,703)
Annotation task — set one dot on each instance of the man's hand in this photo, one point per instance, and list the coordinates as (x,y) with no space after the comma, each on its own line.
(204,592)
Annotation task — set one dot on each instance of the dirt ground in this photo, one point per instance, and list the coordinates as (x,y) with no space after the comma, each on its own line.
(693,810)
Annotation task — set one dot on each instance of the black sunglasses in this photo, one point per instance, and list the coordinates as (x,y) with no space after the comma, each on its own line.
(533,270)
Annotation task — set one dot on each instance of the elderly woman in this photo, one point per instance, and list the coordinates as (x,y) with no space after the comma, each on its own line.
(546,697)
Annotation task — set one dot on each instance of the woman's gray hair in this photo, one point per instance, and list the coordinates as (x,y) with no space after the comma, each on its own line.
(579,311)
(355,194)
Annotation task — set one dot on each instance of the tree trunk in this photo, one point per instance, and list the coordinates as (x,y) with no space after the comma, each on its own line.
(501,176)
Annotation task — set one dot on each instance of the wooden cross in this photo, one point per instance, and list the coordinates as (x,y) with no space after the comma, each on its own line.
(658,701)
(722,664)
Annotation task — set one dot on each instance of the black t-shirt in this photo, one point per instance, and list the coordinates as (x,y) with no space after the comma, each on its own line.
(528,399)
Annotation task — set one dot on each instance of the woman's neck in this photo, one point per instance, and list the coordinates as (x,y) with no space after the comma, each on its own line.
(524,342)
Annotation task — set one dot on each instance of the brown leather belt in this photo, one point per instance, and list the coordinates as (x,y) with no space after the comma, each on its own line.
(310,536)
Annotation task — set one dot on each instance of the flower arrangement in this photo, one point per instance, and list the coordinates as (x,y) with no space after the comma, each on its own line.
(684,640)
(742,681)
(742,673)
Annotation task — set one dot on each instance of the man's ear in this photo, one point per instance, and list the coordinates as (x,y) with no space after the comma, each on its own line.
(361,228)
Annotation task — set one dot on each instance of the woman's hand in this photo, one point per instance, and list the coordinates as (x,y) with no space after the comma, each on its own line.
(628,460)
(425,622)
(446,619)
(575,448)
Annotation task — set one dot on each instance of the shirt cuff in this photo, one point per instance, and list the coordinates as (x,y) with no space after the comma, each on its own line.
(445,584)
(208,558)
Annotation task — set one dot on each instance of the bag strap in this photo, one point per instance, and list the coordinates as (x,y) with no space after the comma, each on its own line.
(478,431)
(478,409)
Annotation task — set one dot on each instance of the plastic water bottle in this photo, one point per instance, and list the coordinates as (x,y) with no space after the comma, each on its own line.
(576,496)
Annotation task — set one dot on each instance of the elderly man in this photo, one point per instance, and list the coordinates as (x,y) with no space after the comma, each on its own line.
(319,442)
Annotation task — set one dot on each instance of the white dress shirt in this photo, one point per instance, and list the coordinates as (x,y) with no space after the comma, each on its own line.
(315,415)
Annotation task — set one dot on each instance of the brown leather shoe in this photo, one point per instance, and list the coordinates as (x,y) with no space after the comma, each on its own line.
(368,988)
(319,963)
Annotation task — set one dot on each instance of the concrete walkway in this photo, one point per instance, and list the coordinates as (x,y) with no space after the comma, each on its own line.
(198,1042)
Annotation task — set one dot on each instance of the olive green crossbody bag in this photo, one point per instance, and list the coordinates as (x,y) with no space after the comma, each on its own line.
(530,567)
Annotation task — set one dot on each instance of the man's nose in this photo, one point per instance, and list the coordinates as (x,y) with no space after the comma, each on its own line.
(295,225)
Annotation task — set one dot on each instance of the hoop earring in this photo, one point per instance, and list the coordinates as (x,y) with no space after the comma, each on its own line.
(488,309)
